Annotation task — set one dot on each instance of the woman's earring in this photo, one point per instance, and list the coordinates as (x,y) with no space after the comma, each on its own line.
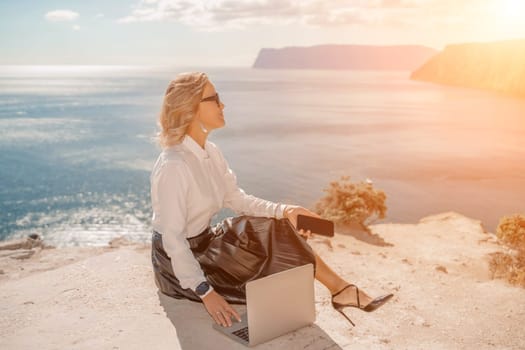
(204,130)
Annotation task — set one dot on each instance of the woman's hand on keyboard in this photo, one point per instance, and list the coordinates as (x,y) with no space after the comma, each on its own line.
(219,309)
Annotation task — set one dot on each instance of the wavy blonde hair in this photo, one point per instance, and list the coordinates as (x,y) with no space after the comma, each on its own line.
(181,102)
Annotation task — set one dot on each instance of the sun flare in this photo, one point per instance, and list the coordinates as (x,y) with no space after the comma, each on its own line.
(513,9)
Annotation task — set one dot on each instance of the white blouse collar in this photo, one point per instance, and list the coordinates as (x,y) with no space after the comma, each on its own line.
(194,147)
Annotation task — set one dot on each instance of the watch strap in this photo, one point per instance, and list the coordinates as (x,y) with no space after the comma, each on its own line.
(208,292)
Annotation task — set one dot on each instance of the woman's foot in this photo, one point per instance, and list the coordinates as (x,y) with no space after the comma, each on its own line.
(348,296)
(360,300)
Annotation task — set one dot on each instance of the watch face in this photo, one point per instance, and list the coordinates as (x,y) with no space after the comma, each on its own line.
(202,288)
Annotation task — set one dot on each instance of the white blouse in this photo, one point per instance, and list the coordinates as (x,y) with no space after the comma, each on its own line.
(189,185)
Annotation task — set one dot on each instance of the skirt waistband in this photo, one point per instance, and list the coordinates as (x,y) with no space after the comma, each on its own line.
(194,241)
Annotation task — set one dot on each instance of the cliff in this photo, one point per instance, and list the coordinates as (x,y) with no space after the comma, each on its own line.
(358,57)
(497,66)
(106,298)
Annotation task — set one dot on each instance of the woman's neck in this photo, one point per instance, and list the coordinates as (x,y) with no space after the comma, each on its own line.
(198,135)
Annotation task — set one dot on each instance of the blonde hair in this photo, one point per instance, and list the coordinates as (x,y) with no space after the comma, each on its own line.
(181,102)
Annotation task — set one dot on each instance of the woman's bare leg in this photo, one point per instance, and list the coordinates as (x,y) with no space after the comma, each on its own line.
(327,276)
(331,280)
(334,283)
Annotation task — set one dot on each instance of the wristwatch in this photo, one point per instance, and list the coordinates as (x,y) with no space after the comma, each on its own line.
(202,288)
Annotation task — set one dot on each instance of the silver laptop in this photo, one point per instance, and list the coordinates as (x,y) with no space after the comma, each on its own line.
(275,305)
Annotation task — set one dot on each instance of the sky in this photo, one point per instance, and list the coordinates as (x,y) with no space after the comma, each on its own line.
(231,32)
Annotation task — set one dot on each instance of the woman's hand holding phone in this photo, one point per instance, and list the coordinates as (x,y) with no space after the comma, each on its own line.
(306,222)
(292,211)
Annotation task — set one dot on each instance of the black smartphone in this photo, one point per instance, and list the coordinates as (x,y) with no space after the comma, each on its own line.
(315,225)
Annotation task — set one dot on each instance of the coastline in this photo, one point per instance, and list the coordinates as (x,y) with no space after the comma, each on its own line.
(105,297)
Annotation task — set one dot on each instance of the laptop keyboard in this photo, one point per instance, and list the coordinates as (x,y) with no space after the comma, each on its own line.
(242,333)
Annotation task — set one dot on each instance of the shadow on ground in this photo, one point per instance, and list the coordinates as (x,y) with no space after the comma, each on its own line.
(194,330)
(362,233)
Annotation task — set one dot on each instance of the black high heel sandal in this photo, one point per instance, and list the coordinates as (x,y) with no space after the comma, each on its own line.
(371,306)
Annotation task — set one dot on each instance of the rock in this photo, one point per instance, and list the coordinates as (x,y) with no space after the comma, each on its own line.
(119,241)
(441,268)
(23,243)
(490,238)
(356,57)
(22,254)
(496,66)
(13,244)
(6,253)
(406,261)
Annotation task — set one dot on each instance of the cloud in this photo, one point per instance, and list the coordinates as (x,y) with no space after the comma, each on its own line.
(226,14)
(212,15)
(76,27)
(397,4)
(61,15)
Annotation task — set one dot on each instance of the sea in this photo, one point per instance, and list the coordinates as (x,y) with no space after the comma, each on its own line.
(77,145)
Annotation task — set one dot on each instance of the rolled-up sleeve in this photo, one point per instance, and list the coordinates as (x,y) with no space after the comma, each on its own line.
(173,184)
(241,202)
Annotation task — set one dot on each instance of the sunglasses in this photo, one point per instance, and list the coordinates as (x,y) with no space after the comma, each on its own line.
(213,98)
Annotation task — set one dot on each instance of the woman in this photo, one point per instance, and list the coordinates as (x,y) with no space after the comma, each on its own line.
(190,182)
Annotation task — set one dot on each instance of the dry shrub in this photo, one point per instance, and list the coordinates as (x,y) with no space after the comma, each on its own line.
(511,230)
(510,266)
(348,202)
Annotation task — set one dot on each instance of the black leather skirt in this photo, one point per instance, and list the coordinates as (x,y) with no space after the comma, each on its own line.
(233,252)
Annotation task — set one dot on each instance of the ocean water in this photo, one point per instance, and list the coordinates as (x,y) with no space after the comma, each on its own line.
(76,145)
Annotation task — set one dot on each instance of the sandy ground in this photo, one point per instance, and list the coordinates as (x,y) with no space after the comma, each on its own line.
(106,298)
